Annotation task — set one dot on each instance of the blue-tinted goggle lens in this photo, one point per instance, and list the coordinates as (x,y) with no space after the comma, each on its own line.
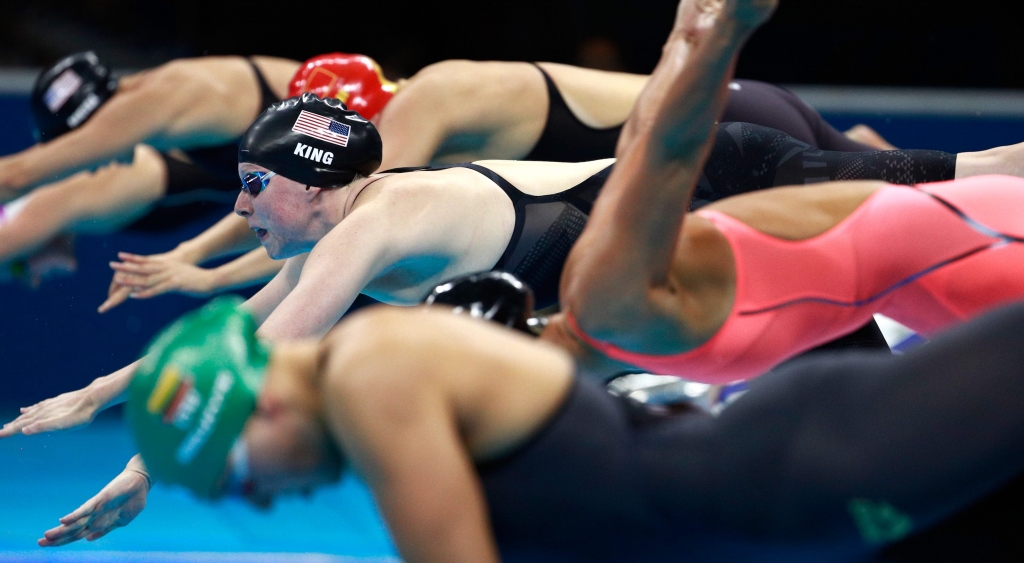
(255,182)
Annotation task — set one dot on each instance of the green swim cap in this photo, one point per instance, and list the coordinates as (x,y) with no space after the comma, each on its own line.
(194,392)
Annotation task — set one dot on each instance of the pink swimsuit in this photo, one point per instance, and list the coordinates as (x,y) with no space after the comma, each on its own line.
(928,257)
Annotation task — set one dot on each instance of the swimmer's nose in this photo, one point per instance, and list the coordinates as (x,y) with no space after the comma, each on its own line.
(243,204)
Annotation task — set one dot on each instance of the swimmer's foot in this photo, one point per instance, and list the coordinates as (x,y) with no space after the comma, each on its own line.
(868,136)
(1008,160)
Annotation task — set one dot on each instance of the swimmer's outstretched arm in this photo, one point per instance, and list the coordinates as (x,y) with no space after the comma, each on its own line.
(78,408)
(231,235)
(694,19)
(622,258)
(143,277)
(91,202)
(113,507)
(74,408)
(148,107)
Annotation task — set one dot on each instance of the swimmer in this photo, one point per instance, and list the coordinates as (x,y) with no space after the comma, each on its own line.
(463,111)
(395,236)
(85,119)
(296,203)
(500,452)
(728,292)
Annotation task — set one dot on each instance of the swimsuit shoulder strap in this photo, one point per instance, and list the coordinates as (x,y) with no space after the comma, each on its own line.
(356,189)
(567,139)
(267,95)
(554,94)
(511,191)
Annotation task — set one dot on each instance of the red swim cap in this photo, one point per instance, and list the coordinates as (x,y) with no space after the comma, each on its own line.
(356,80)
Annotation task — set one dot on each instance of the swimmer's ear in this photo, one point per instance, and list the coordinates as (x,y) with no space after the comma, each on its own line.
(312,191)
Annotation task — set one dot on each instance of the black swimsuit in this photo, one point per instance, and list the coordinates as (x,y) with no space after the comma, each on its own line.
(566,139)
(829,459)
(205,184)
(546,227)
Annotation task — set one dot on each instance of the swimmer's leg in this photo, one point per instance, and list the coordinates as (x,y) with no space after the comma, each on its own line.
(749,157)
(866,135)
(1007,160)
(772,106)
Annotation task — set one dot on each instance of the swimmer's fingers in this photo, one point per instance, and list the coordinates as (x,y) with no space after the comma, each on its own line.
(160,288)
(64,420)
(67,532)
(115,298)
(141,268)
(113,507)
(11,428)
(28,416)
(139,281)
(129,257)
(66,411)
(62,535)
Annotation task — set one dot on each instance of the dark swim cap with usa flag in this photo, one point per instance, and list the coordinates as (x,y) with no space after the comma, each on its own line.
(313,141)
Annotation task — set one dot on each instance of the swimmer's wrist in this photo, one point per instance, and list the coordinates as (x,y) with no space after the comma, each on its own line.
(136,465)
(213,280)
(109,390)
(189,252)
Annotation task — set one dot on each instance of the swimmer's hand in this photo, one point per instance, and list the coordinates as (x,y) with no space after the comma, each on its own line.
(70,410)
(695,17)
(115,506)
(143,277)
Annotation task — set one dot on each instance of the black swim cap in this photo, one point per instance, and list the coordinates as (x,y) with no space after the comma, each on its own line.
(493,296)
(313,141)
(68,93)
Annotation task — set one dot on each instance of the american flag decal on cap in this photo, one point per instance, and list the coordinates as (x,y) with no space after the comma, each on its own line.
(61,89)
(323,128)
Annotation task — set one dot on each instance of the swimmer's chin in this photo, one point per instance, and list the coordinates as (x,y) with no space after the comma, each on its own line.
(278,253)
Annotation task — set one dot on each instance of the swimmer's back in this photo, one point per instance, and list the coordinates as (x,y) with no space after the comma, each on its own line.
(214,99)
(797,212)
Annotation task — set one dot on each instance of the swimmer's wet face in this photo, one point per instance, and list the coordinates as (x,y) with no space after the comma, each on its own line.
(287,447)
(281,214)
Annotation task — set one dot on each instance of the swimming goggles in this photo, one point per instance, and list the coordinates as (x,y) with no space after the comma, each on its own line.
(255,182)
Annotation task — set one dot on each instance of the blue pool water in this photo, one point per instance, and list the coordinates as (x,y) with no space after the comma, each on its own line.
(45,477)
